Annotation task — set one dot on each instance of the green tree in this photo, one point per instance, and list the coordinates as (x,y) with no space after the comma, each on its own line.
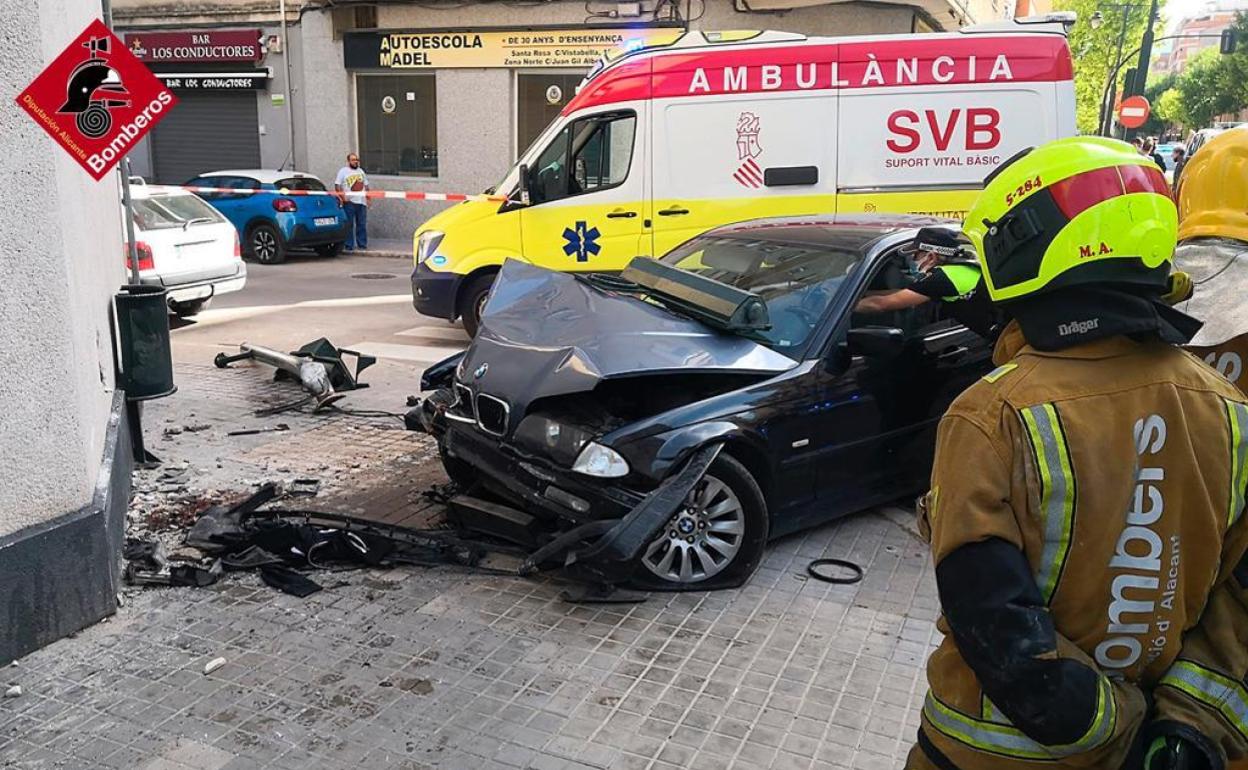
(1157,85)
(1169,109)
(1095,52)
(1208,87)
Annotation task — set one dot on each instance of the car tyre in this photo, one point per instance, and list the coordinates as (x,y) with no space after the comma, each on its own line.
(726,517)
(265,245)
(188,309)
(475,296)
(329,249)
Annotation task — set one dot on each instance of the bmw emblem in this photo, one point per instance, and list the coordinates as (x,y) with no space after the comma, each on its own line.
(480,371)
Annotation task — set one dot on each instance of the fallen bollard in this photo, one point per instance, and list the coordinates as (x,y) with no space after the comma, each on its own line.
(312,375)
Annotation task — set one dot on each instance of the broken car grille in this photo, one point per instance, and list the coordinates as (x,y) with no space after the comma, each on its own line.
(461,410)
(492,414)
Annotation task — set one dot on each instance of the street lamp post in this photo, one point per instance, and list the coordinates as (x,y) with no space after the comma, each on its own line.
(1106,114)
(1141,68)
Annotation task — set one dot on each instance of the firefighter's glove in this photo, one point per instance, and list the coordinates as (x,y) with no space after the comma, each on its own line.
(1179,288)
(1174,753)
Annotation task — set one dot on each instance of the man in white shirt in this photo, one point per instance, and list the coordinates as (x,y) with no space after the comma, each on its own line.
(351,185)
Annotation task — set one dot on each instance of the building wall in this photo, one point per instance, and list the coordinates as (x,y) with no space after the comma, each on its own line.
(274,125)
(476,114)
(65,475)
(63,261)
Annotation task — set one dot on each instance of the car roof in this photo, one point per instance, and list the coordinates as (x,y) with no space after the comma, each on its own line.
(262,175)
(144,191)
(867,227)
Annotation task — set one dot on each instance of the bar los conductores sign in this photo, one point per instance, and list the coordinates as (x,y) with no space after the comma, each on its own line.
(207,45)
(96,100)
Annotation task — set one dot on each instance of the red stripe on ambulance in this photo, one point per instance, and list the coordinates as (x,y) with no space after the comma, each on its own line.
(804,67)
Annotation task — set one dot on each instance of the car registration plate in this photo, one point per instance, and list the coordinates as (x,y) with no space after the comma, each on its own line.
(325,221)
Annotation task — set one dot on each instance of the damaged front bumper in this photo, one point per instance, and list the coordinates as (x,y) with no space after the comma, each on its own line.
(594,525)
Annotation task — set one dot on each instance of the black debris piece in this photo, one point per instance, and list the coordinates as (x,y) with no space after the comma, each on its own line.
(281,426)
(342,376)
(288,581)
(252,557)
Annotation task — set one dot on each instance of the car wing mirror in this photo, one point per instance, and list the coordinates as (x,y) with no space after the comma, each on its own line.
(523,173)
(875,341)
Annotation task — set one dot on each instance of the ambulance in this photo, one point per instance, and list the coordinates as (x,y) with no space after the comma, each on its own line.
(665,142)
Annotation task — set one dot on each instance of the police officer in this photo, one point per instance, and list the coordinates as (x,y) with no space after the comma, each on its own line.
(1076,526)
(1213,250)
(950,274)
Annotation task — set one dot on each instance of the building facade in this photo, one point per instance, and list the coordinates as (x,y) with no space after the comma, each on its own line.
(1173,55)
(435,97)
(65,479)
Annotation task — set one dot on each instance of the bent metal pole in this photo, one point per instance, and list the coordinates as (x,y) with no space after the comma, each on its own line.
(312,375)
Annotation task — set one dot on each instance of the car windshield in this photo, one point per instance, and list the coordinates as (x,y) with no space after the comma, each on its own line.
(160,212)
(796,270)
(300,183)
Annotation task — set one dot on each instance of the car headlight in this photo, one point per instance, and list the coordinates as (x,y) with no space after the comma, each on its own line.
(558,441)
(427,243)
(603,462)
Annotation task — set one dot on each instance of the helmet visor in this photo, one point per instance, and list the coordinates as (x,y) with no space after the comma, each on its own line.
(1219,271)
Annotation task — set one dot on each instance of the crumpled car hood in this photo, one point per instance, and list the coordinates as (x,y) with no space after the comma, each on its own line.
(545,333)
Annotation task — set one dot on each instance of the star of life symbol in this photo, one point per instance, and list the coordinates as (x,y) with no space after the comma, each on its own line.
(581,241)
(749,173)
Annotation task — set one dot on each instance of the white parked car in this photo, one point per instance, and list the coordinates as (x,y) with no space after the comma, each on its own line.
(186,246)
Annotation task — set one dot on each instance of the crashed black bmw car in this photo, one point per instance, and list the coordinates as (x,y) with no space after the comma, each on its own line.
(669,420)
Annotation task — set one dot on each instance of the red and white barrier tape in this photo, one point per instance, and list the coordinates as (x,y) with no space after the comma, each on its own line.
(388,194)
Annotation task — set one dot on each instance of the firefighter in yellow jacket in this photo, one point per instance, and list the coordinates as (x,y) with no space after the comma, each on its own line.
(1087,495)
(1213,250)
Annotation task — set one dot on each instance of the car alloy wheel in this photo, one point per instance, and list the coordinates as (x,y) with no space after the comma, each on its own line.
(702,538)
(264,245)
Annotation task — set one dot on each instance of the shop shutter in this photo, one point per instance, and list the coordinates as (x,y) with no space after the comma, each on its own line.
(206,131)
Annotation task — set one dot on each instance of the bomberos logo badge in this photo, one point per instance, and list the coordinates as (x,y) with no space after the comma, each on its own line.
(96,99)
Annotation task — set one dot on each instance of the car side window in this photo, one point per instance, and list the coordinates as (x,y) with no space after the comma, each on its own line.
(207,181)
(891,275)
(243,184)
(588,155)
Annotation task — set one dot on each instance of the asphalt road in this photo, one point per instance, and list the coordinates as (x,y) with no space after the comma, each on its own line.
(359,303)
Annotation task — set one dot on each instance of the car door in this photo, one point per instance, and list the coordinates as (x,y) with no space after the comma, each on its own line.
(878,424)
(587,196)
(950,358)
(235,206)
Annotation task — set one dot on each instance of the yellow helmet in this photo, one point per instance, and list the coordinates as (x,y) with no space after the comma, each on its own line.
(1213,192)
(1075,211)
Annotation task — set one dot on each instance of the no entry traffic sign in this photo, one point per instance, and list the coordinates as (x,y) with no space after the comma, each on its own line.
(1134,111)
(96,99)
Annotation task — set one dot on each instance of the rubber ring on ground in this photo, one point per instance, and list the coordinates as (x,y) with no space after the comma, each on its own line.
(812,570)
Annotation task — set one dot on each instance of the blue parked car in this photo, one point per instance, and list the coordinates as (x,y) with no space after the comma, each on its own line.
(270,223)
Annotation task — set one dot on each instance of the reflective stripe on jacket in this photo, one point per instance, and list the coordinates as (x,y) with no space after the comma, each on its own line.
(1085,504)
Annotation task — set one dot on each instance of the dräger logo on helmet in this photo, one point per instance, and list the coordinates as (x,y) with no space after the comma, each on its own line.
(1078,327)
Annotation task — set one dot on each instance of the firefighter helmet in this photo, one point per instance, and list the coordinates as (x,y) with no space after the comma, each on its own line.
(91,81)
(1213,194)
(1076,211)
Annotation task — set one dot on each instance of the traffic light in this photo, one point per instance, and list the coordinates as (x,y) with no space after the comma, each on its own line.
(1228,41)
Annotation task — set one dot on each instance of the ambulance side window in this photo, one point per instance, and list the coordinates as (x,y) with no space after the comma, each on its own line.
(589,155)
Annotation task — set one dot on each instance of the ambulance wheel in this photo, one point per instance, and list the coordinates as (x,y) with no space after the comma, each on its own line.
(188,309)
(264,243)
(715,539)
(476,294)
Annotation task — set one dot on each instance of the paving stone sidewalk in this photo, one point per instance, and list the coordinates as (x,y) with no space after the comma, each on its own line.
(441,668)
